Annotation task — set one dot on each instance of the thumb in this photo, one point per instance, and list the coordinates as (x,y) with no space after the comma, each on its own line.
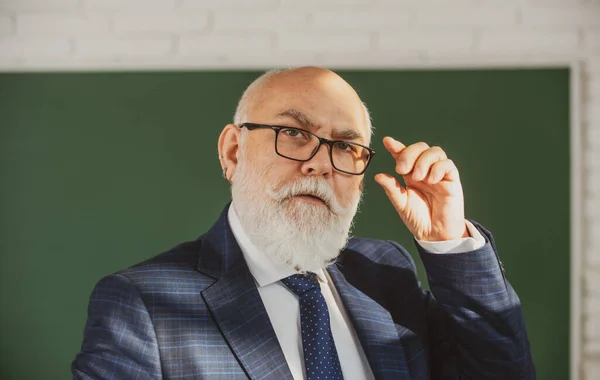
(394,190)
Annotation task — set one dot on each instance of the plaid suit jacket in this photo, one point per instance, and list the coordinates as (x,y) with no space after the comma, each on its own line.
(194,312)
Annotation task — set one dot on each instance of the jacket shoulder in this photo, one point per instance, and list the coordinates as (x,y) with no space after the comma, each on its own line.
(174,267)
(379,252)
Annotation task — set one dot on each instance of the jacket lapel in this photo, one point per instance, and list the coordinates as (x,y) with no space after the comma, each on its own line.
(236,305)
(375,329)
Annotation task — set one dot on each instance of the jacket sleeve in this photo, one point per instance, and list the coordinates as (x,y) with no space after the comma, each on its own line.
(119,341)
(476,328)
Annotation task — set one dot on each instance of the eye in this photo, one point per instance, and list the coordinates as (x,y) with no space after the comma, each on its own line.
(344,146)
(295,133)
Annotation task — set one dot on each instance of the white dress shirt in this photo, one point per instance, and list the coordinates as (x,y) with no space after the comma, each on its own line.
(282,305)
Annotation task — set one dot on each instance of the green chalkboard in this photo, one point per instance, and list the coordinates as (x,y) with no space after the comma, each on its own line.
(102,170)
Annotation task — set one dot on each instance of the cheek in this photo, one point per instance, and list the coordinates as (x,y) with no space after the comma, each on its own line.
(277,171)
(347,189)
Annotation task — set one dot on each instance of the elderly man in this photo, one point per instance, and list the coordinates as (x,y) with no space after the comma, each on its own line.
(277,290)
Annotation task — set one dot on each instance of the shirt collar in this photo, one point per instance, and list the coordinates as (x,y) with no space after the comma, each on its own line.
(264,271)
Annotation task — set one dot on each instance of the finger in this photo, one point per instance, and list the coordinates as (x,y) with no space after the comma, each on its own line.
(393,146)
(444,169)
(425,160)
(394,190)
(407,158)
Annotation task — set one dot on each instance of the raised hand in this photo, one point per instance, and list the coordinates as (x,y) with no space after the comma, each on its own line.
(432,205)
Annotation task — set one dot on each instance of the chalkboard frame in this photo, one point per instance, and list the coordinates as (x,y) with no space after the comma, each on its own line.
(577,224)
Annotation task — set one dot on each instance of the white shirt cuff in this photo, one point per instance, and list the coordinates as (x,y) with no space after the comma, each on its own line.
(461,245)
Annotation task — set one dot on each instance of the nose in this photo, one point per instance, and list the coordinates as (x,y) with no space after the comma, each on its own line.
(320,164)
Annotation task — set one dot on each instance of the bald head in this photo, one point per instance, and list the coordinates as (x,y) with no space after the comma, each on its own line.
(304,82)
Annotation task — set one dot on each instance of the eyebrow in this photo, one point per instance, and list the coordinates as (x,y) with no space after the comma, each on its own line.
(300,117)
(305,122)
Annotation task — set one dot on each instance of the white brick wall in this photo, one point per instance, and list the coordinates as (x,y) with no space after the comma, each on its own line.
(251,20)
(114,34)
(39,48)
(530,41)
(482,15)
(569,13)
(426,41)
(331,42)
(249,43)
(120,5)
(156,22)
(6,25)
(231,4)
(23,5)
(380,19)
(584,21)
(122,47)
(61,23)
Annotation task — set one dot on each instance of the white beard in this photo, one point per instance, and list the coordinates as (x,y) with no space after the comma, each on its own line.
(292,232)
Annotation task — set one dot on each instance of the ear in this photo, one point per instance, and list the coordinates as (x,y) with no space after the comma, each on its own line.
(228,149)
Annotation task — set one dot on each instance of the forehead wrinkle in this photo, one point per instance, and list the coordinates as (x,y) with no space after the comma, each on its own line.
(306,122)
(300,117)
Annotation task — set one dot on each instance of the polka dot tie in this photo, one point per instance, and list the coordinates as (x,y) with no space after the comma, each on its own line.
(320,356)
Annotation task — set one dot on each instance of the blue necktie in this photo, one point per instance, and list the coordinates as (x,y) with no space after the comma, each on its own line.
(320,356)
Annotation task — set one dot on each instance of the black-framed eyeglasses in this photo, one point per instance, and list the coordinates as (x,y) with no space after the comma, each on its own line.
(301,145)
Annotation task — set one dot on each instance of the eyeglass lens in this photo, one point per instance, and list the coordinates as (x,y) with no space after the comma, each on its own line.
(299,145)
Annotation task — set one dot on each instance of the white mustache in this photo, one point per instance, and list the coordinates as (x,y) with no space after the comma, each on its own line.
(309,186)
